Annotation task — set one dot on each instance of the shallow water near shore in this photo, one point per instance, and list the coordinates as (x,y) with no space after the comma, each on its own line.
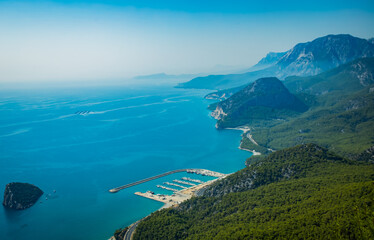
(128,133)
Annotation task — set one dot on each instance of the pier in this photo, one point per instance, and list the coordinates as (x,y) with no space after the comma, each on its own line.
(174,184)
(192,180)
(183,182)
(167,188)
(203,172)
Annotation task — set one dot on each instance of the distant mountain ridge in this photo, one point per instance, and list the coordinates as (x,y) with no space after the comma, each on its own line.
(270,59)
(321,54)
(305,59)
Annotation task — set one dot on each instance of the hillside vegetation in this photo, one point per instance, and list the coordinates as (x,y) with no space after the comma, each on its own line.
(265,99)
(319,183)
(304,192)
(340,115)
(346,78)
(346,127)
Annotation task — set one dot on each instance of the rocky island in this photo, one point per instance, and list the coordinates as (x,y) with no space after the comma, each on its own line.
(21,195)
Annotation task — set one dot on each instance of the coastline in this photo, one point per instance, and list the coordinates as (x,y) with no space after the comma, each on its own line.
(175,199)
(252,151)
(172,201)
(246,133)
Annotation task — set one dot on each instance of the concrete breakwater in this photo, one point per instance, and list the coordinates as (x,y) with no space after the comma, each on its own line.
(203,172)
(114,190)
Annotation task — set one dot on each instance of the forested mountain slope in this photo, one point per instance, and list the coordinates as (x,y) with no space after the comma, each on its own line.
(304,192)
(265,99)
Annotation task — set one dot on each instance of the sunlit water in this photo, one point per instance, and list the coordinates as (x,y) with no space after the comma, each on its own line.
(129,134)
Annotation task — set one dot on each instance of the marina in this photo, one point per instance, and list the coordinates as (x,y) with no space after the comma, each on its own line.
(178,196)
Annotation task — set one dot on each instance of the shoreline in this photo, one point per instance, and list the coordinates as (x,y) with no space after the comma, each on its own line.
(246,133)
(182,195)
(252,151)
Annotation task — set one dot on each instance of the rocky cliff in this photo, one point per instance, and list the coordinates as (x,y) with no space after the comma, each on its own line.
(367,155)
(218,113)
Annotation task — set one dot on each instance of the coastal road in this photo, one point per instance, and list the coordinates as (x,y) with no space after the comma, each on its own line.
(131,230)
(200,192)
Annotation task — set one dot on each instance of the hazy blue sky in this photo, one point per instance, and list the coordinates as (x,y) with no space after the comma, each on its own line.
(83,40)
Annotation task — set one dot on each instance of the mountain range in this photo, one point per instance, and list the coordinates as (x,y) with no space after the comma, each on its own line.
(304,59)
(315,133)
(269,60)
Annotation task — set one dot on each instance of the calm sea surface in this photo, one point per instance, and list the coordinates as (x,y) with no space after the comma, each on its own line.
(130,133)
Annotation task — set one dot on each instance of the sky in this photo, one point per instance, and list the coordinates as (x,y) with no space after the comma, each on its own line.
(101,40)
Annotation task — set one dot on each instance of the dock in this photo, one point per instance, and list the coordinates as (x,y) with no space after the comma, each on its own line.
(174,184)
(167,188)
(183,182)
(192,180)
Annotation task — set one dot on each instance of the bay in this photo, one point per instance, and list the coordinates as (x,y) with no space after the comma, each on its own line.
(76,144)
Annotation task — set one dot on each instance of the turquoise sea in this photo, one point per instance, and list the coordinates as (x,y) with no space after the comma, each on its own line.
(130,133)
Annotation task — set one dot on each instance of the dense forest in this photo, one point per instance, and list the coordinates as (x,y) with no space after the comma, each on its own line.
(304,192)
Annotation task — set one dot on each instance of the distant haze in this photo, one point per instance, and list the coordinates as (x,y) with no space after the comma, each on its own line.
(105,40)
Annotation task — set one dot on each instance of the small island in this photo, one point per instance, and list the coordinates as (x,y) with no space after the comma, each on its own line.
(21,195)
